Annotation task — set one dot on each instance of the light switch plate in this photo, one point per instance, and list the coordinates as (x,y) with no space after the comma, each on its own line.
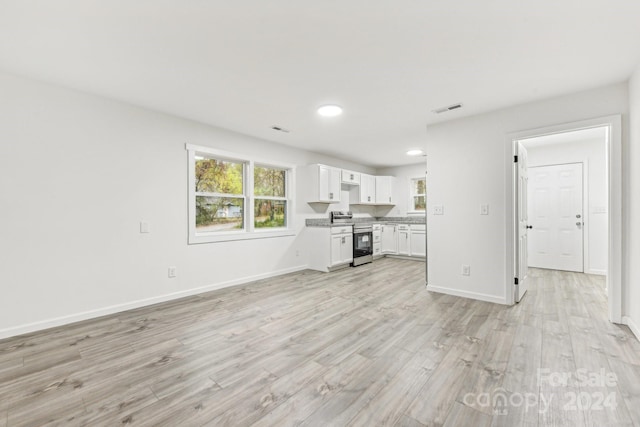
(144,227)
(484,209)
(438,210)
(466,270)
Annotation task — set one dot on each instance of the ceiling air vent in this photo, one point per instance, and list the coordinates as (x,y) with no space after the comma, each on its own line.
(448,108)
(280,129)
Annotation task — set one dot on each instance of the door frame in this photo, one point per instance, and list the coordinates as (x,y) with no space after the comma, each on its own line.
(614,204)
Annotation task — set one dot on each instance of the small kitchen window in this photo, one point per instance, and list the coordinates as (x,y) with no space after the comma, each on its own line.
(233,197)
(418,192)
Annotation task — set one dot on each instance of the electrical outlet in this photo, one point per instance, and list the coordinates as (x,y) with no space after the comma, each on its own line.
(144,227)
(466,270)
(297,252)
(484,209)
(173,272)
(438,210)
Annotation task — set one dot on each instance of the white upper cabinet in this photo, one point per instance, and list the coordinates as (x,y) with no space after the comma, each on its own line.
(323,184)
(366,193)
(350,177)
(384,190)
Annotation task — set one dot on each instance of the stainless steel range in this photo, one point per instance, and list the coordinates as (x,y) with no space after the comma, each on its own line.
(362,237)
(362,244)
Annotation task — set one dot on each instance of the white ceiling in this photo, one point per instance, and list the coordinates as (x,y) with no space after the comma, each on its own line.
(249,65)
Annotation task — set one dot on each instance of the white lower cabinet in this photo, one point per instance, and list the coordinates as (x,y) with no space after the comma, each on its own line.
(418,239)
(389,239)
(403,239)
(404,245)
(341,249)
(330,247)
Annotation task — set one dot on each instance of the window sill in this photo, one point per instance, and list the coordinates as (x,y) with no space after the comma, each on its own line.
(234,236)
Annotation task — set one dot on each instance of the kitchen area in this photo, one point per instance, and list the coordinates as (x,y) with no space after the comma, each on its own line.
(370,227)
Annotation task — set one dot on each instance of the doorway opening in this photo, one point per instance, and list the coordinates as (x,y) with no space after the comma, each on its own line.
(566,209)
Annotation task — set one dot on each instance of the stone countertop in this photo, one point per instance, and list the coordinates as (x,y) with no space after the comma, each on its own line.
(326,222)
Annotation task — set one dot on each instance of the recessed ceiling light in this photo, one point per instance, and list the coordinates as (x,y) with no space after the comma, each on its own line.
(330,110)
(415,152)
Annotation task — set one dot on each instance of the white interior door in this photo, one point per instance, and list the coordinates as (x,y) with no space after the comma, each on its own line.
(522,267)
(555,212)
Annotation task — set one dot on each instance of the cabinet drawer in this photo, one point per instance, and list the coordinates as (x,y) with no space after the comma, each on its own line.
(418,227)
(376,238)
(403,227)
(342,230)
(377,227)
(377,249)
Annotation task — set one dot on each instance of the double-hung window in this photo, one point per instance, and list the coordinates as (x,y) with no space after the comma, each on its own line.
(270,202)
(418,191)
(235,197)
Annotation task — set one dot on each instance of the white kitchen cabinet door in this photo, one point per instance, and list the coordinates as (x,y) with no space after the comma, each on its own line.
(404,245)
(324,184)
(341,249)
(347,248)
(418,242)
(330,179)
(365,193)
(389,239)
(336,249)
(384,190)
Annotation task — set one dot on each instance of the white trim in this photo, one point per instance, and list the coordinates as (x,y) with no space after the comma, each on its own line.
(92,314)
(586,216)
(614,172)
(467,294)
(626,320)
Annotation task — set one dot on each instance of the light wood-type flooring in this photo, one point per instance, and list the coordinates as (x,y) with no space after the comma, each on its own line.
(363,346)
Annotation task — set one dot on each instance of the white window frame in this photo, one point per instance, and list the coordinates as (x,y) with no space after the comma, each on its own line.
(285,199)
(248,231)
(412,207)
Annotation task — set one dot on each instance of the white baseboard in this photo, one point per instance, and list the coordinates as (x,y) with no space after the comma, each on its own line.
(596,271)
(467,294)
(91,314)
(626,320)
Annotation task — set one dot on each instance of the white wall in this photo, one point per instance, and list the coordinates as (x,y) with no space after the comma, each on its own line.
(77,175)
(467,168)
(631,247)
(401,189)
(592,154)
